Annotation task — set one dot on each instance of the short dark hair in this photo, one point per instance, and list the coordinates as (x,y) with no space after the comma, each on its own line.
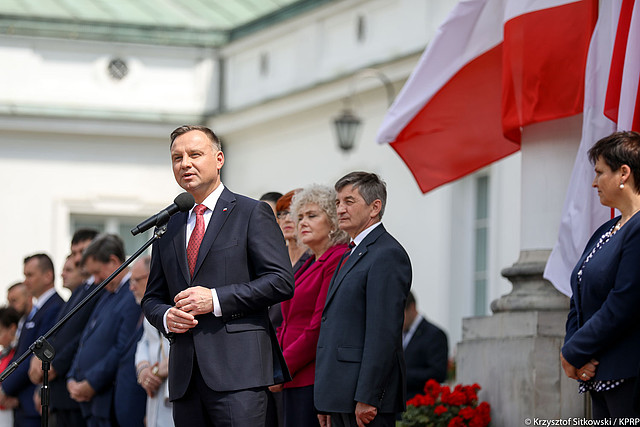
(370,186)
(188,128)
(271,196)
(9,316)
(410,300)
(102,247)
(44,262)
(83,234)
(15,285)
(617,149)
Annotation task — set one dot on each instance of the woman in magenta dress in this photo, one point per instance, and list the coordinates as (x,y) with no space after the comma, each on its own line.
(314,212)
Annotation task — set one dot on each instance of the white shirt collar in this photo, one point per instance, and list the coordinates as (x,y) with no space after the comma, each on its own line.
(364,233)
(39,302)
(406,337)
(210,203)
(211,200)
(122,282)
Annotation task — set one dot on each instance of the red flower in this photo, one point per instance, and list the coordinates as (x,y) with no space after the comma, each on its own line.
(444,394)
(428,400)
(471,391)
(457,398)
(432,387)
(482,416)
(440,409)
(467,412)
(456,422)
(421,400)
(440,406)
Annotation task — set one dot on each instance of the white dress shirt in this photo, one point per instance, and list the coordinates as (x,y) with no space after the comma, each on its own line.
(210,203)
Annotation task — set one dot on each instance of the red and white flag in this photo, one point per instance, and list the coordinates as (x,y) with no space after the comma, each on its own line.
(493,67)
(622,104)
(611,102)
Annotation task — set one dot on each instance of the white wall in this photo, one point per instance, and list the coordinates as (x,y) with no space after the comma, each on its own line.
(46,176)
(277,135)
(323,45)
(73,74)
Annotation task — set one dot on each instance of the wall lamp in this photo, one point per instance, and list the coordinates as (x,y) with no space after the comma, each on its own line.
(348,123)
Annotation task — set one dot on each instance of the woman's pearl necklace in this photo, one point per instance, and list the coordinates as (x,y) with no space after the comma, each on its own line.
(620,223)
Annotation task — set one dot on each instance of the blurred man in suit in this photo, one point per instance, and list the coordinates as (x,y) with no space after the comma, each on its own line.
(426,349)
(360,371)
(130,398)
(38,278)
(72,275)
(152,358)
(271,198)
(21,300)
(108,330)
(64,409)
(214,275)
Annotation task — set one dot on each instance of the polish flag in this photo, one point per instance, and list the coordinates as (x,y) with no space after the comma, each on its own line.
(611,103)
(622,104)
(493,67)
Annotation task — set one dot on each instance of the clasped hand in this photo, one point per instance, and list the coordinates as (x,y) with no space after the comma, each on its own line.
(585,373)
(80,391)
(189,303)
(364,415)
(151,377)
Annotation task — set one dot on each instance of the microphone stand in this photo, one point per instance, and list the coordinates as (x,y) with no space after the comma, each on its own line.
(45,351)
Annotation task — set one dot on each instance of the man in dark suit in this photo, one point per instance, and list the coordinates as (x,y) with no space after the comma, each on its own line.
(38,278)
(426,349)
(360,371)
(213,276)
(103,341)
(65,341)
(20,299)
(130,398)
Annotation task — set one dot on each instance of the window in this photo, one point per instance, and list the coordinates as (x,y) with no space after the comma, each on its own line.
(481,245)
(116,225)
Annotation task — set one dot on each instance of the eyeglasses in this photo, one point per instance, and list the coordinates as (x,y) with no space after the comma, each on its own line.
(283,214)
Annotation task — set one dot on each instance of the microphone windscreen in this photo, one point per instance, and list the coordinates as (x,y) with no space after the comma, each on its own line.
(184,201)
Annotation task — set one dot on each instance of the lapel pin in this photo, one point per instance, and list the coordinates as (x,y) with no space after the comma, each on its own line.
(224,209)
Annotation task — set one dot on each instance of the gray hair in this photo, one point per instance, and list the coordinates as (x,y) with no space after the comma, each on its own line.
(325,198)
(146,261)
(370,186)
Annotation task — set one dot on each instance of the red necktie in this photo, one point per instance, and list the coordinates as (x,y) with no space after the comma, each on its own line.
(347,254)
(196,238)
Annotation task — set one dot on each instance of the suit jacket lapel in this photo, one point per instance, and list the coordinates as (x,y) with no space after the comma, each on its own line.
(180,245)
(357,254)
(221,212)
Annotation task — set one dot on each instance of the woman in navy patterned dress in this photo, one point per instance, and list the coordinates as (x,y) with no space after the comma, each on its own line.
(602,342)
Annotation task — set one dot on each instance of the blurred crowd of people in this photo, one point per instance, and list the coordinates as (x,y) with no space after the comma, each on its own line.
(110,365)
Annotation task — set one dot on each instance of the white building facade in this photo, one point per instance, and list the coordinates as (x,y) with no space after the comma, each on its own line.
(85,125)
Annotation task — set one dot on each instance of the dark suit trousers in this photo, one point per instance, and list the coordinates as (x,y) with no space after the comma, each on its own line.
(615,403)
(69,418)
(201,406)
(298,407)
(349,420)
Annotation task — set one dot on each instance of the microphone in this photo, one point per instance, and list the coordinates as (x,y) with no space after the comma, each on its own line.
(182,203)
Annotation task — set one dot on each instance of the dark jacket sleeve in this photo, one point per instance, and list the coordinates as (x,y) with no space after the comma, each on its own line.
(269,260)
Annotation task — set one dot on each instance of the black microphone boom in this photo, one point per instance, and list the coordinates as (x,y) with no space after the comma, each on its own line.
(182,203)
